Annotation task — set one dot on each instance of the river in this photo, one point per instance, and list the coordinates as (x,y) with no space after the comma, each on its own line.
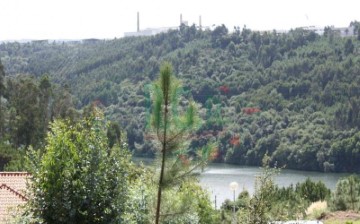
(217,177)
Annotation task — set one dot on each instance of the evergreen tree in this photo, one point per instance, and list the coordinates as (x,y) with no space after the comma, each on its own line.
(172,130)
(346,194)
(349,47)
(261,202)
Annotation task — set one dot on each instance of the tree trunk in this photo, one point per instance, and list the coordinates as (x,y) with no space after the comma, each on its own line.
(158,206)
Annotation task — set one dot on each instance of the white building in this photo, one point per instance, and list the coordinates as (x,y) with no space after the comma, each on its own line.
(149,32)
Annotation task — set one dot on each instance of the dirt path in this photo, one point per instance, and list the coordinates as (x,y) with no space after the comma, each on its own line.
(341,216)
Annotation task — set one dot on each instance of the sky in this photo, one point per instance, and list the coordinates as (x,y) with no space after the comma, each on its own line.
(107,19)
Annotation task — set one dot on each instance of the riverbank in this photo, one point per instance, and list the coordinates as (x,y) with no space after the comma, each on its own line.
(340,217)
(217,177)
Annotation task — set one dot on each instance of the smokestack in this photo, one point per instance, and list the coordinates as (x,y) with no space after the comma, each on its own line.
(200,26)
(181,21)
(138,22)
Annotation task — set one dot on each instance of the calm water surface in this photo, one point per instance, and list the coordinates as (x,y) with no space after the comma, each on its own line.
(217,177)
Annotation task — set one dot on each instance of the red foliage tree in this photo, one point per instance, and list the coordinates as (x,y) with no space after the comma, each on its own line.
(250,110)
(224,89)
(235,140)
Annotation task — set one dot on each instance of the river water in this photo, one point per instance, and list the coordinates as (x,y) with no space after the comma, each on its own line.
(217,177)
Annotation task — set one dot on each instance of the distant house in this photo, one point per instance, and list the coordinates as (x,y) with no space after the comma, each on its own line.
(12,193)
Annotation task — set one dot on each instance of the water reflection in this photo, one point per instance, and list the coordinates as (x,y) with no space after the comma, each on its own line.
(217,177)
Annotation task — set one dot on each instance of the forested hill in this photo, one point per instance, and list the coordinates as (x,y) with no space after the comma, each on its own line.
(294,96)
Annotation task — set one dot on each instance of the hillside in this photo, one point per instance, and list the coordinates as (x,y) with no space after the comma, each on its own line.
(294,96)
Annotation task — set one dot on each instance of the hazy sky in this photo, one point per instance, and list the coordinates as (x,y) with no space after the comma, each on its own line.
(78,19)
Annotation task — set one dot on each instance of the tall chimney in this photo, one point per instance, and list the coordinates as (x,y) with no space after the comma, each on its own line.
(181,21)
(138,22)
(200,26)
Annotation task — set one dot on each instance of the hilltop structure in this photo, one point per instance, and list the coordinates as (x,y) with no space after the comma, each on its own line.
(148,31)
(154,31)
(341,31)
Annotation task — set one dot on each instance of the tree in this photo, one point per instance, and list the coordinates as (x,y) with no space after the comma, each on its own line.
(2,90)
(218,36)
(346,194)
(45,91)
(172,130)
(261,202)
(63,105)
(78,178)
(348,47)
(25,123)
(113,134)
(356,26)
(313,191)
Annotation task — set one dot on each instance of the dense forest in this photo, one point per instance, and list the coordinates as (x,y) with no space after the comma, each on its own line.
(292,96)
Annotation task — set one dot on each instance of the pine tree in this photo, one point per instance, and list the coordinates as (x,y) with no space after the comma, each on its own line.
(172,130)
(346,195)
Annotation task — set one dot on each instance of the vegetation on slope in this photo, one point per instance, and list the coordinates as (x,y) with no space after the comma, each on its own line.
(294,96)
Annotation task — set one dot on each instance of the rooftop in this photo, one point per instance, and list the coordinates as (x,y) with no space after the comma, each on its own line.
(12,192)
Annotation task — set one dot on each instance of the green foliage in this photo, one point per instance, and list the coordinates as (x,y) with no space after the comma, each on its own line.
(260,203)
(78,178)
(27,106)
(346,195)
(186,203)
(349,47)
(10,159)
(312,191)
(2,91)
(270,202)
(114,134)
(24,100)
(192,203)
(345,152)
(172,130)
(306,87)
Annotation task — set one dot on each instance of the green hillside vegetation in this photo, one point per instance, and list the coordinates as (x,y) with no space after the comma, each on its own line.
(294,96)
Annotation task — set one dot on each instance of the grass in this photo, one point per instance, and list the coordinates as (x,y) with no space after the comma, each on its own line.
(315,210)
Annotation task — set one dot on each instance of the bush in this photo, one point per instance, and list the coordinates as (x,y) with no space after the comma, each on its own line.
(346,195)
(78,178)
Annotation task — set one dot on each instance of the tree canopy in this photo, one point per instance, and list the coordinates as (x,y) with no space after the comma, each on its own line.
(294,95)
(78,178)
